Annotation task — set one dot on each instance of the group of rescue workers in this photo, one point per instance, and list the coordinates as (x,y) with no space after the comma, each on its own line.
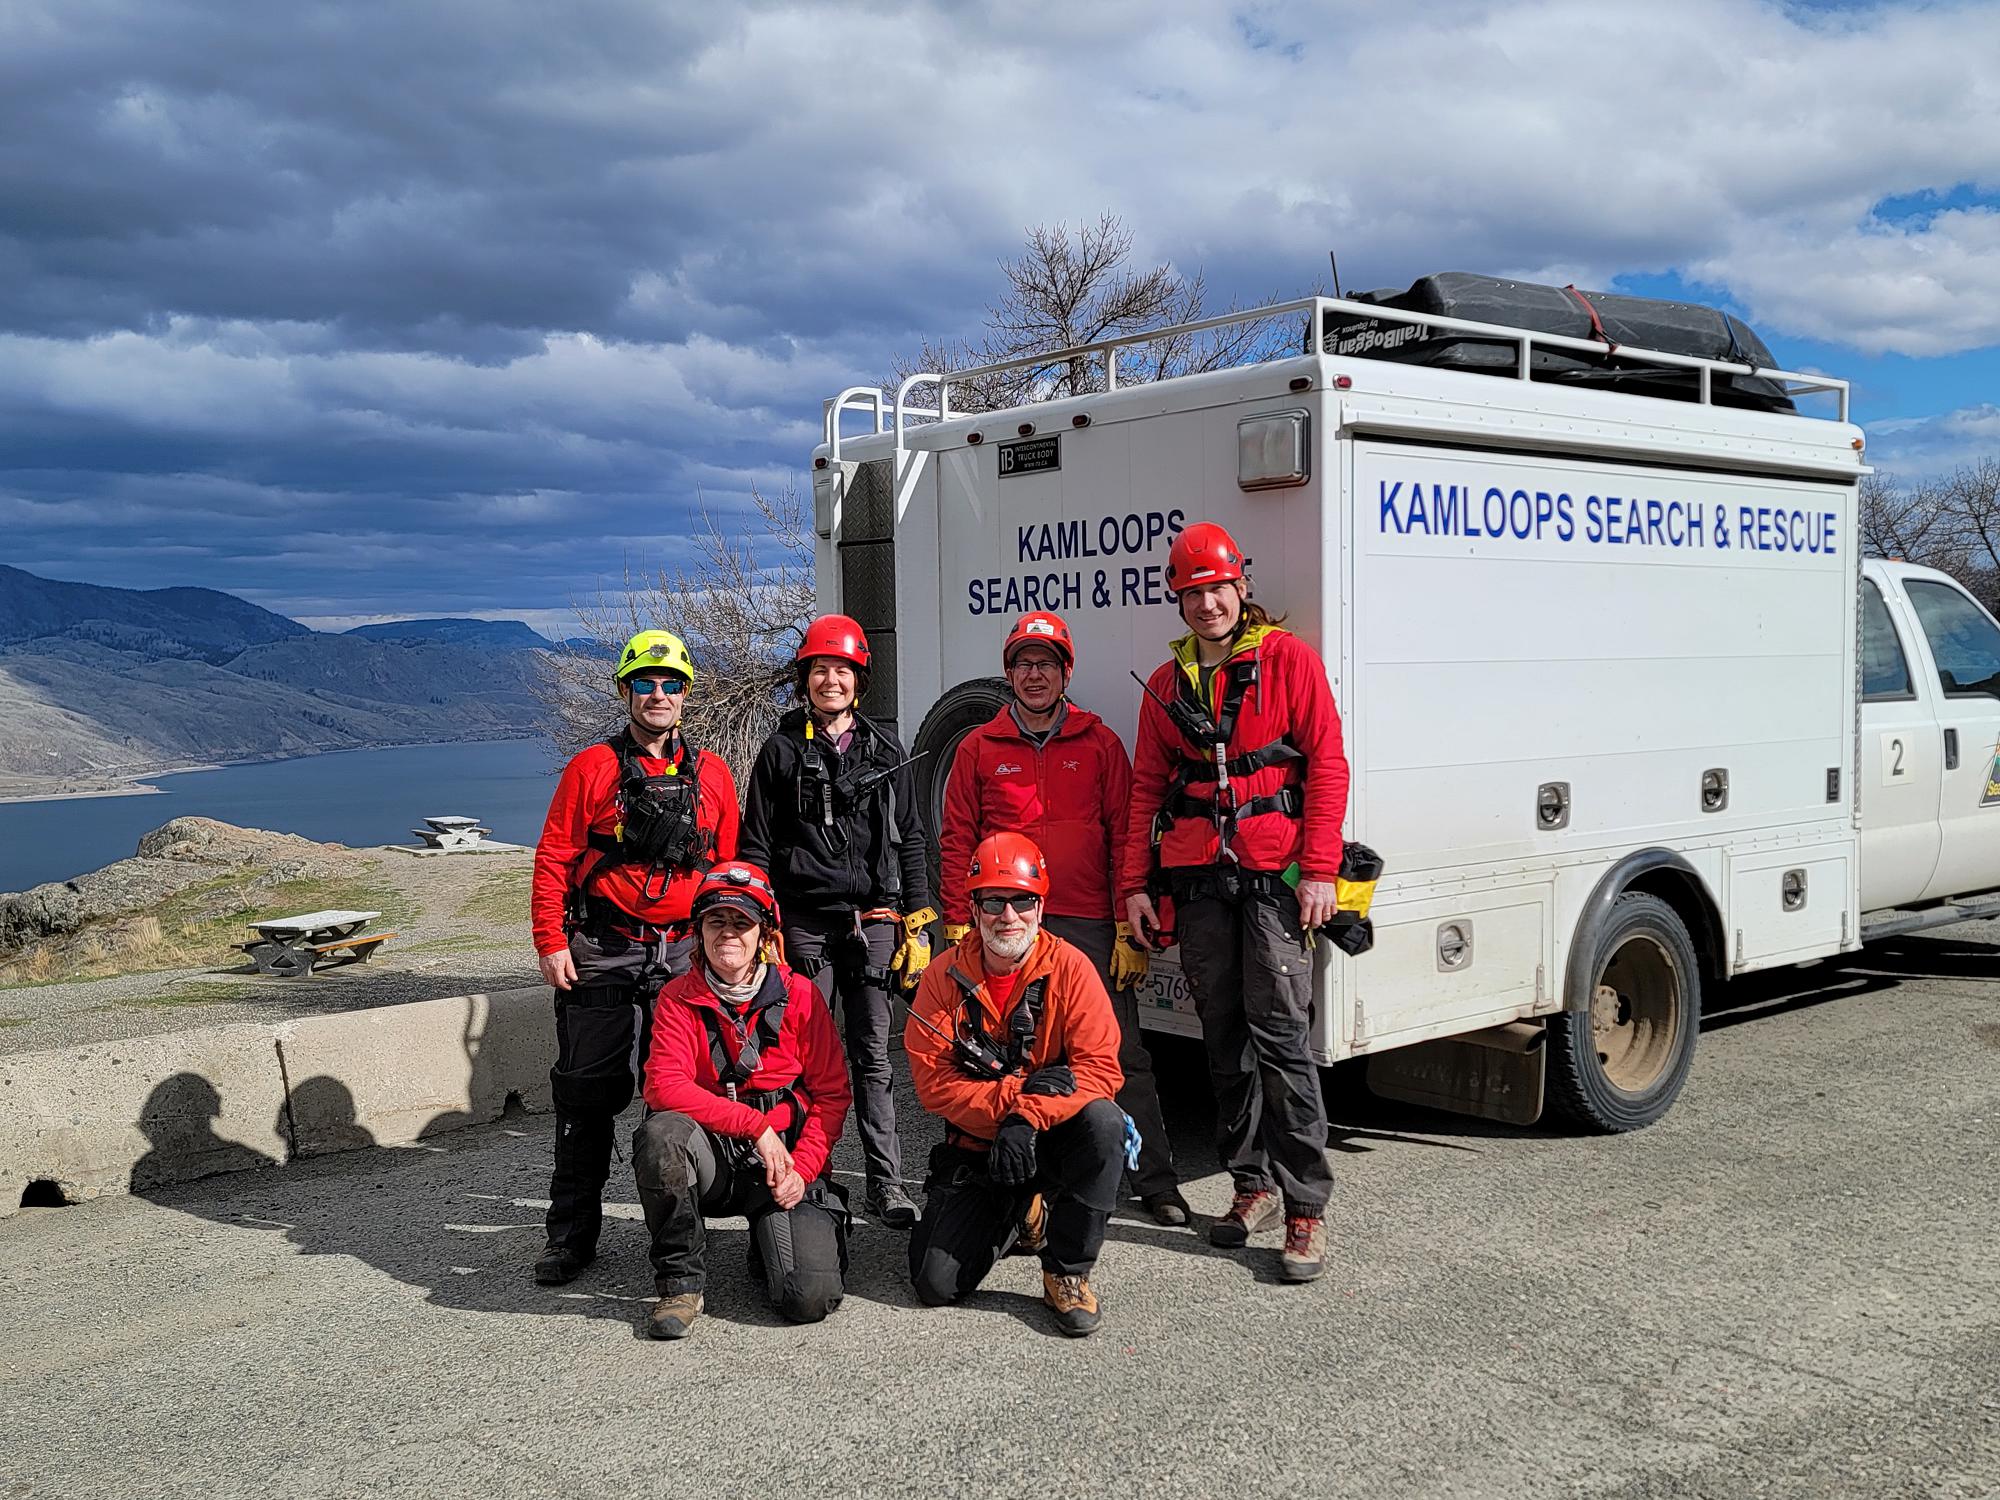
(701,954)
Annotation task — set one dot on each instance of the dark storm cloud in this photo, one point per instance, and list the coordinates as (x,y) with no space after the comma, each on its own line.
(365,307)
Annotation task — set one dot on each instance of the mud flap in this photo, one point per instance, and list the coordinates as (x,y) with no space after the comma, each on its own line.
(1495,1074)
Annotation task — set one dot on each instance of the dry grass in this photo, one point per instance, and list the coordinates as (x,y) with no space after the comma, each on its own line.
(197,927)
(501,899)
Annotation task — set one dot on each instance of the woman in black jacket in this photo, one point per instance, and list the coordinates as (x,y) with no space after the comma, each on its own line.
(832,813)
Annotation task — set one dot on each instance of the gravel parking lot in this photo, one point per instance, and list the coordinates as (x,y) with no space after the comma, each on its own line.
(1787,1288)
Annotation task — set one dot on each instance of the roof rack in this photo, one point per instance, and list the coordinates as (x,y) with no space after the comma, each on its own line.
(895,411)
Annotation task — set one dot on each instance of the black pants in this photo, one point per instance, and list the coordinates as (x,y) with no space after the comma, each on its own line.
(1252,980)
(686,1174)
(1140,1095)
(603,1027)
(824,946)
(970,1221)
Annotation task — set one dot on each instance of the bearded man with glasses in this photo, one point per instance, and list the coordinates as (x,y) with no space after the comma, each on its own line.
(634,824)
(1012,1042)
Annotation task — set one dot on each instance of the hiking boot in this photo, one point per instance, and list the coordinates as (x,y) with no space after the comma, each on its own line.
(1248,1213)
(1304,1255)
(1034,1231)
(1168,1208)
(559,1264)
(1072,1301)
(888,1202)
(672,1317)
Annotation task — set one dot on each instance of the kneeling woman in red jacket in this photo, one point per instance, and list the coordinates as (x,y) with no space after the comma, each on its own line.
(746,1092)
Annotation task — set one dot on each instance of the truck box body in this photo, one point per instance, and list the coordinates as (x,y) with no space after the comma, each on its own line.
(1567,629)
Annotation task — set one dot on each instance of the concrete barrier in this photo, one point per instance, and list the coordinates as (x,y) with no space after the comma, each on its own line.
(115,1117)
(391,1075)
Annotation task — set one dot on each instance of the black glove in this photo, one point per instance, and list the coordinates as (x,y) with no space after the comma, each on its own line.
(1011,1163)
(1055,1079)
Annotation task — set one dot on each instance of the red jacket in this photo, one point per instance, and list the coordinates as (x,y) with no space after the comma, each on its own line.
(1068,796)
(1290,701)
(681,1074)
(1078,1027)
(586,802)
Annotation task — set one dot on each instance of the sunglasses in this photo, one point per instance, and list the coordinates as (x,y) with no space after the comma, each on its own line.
(1024,902)
(644,687)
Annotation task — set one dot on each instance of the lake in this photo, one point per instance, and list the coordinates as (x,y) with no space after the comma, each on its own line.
(346,797)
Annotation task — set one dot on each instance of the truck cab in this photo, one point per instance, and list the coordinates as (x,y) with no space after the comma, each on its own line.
(1930,741)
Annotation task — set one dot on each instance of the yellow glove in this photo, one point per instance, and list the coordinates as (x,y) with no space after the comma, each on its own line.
(913,956)
(954,932)
(1129,962)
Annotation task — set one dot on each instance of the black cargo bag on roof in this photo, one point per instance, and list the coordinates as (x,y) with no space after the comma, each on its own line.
(1642,322)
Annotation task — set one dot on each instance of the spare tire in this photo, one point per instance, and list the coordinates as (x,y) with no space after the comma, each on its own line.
(960,711)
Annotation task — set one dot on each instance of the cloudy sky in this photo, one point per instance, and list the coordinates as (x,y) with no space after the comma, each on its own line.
(374,309)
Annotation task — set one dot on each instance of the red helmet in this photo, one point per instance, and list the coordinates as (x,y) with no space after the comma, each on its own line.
(739,884)
(1040,628)
(1008,862)
(834,635)
(1203,553)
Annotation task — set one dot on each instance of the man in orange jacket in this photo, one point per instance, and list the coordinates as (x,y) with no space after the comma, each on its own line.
(633,825)
(1048,768)
(1239,789)
(1012,1041)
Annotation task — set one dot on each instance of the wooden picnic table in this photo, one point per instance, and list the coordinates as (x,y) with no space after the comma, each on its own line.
(291,947)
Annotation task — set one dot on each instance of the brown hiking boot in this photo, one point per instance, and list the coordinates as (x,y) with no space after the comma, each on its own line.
(1072,1301)
(672,1317)
(1034,1231)
(1304,1255)
(1248,1213)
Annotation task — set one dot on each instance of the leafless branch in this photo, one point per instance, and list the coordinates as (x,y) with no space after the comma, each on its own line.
(740,607)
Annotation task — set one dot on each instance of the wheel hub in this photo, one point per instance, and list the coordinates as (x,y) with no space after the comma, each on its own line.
(1634,1021)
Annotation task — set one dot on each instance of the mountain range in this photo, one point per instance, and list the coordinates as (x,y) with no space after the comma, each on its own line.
(101,685)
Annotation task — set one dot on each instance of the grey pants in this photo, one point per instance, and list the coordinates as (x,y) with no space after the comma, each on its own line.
(971,1221)
(686,1174)
(603,1028)
(1140,1095)
(1252,980)
(823,946)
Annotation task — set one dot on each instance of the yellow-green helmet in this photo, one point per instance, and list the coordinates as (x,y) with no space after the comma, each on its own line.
(655,651)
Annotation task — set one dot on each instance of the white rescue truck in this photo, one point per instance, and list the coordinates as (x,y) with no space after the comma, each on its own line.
(1627,713)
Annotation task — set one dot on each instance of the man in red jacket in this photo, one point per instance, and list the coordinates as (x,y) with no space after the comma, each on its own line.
(634,823)
(1047,768)
(746,1092)
(1011,1039)
(1239,788)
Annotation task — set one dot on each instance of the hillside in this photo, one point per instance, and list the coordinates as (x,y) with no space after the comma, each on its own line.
(114,684)
(177,622)
(490,635)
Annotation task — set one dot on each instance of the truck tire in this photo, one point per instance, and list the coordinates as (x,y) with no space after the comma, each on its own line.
(1620,1064)
(960,711)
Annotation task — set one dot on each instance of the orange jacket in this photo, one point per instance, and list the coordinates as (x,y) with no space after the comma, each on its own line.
(1077,1028)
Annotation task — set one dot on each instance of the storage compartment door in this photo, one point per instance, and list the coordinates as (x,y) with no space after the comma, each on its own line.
(1787,905)
(1451,964)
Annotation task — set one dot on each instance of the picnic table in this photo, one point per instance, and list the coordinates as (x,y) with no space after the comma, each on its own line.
(291,947)
(455,832)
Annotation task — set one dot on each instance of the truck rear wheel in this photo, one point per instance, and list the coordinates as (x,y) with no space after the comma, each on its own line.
(961,710)
(1620,1064)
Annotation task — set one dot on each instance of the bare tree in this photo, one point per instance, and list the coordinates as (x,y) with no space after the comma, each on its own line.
(1910,524)
(1070,288)
(740,607)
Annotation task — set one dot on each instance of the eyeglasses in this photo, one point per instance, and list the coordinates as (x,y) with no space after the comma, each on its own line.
(1046,664)
(1023,902)
(644,687)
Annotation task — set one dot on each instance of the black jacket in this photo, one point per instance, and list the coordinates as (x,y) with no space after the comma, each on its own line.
(872,855)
